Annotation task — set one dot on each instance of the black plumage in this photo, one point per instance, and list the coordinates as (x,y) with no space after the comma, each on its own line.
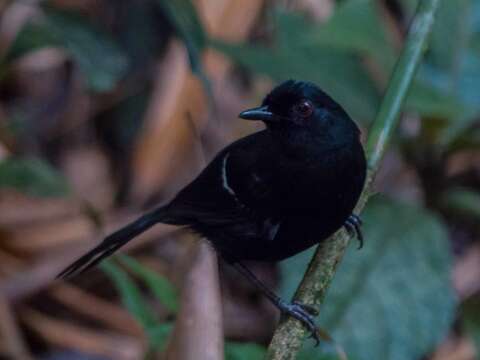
(271,194)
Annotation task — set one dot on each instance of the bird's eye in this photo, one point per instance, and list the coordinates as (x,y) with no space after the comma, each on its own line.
(304,108)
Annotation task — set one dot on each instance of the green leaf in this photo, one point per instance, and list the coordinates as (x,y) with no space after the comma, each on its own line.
(431,101)
(131,296)
(393,299)
(186,22)
(464,201)
(140,20)
(471,322)
(98,56)
(33,177)
(450,34)
(157,333)
(123,121)
(296,53)
(356,25)
(453,67)
(159,285)
(30,38)
(316,355)
(460,93)
(158,336)
(464,121)
(467,140)
(184,18)
(409,7)
(244,351)
(457,128)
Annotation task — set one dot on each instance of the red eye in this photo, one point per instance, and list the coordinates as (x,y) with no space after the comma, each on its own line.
(304,108)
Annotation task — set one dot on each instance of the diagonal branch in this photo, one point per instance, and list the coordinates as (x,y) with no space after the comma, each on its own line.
(290,334)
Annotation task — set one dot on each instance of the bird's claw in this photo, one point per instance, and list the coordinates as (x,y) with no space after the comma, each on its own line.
(353,226)
(305,314)
(310,309)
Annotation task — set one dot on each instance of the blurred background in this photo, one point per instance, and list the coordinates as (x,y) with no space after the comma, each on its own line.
(108,107)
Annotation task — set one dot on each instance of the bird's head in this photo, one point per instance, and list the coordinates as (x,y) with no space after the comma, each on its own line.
(303,106)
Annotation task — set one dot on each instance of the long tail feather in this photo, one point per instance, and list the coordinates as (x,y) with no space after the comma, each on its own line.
(113,242)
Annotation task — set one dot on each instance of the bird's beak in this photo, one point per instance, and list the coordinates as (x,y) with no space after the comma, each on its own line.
(259,113)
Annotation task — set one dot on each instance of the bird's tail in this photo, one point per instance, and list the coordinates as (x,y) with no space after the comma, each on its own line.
(115,241)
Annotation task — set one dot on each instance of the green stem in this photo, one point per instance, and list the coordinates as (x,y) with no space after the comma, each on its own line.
(290,334)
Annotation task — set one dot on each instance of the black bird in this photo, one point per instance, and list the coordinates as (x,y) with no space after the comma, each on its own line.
(272,194)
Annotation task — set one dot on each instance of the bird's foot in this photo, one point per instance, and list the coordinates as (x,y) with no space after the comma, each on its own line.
(353,225)
(305,314)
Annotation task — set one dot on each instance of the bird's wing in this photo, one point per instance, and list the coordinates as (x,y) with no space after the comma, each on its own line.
(232,191)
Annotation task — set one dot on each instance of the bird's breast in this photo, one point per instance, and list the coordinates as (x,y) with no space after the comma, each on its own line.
(333,181)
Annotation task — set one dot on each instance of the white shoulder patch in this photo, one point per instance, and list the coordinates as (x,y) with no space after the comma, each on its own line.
(272,228)
(225,184)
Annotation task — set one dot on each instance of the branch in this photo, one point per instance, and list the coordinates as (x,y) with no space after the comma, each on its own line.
(290,334)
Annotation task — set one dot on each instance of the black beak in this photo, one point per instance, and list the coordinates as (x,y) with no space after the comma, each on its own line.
(259,113)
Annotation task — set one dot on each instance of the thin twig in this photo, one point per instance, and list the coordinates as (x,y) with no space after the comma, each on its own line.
(198,333)
(290,334)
